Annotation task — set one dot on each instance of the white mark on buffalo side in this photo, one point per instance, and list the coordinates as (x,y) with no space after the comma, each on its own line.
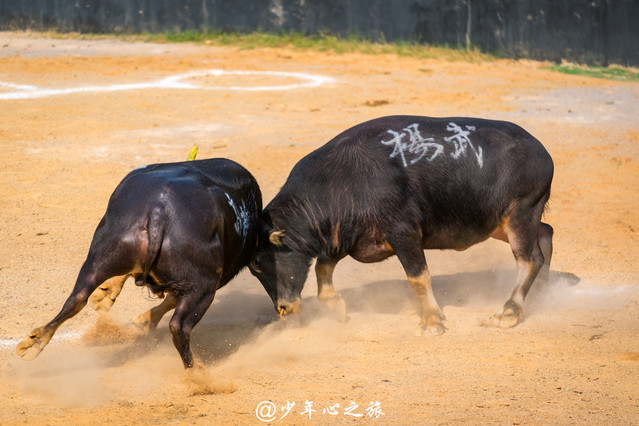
(421,147)
(418,145)
(241,217)
(461,142)
(173,82)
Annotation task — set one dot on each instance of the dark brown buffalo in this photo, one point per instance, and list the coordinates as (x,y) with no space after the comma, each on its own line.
(398,185)
(183,229)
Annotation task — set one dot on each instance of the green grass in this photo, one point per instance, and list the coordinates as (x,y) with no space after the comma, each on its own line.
(325,42)
(610,73)
(318,42)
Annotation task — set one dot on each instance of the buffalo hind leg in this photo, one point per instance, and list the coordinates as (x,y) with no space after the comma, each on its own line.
(31,346)
(149,320)
(544,235)
(189,310)
(103,298)
(328,297)
(531,244)
(411,255)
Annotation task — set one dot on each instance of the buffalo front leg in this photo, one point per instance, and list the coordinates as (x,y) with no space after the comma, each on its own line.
(328,297)
(103,298)
(411,255)
(432,316)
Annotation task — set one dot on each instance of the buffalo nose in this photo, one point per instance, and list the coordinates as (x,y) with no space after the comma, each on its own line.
(282,305)
(282,310)
(285,307)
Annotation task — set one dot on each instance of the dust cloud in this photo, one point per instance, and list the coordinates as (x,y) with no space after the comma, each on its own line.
(68,375)
(241,335)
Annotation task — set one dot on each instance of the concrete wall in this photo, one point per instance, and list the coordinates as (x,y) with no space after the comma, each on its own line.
(587,31)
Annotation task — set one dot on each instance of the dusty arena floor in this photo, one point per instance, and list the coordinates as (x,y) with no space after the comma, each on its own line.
(78,115)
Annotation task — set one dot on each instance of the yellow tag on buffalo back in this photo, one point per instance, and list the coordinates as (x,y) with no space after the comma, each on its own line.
(192,153)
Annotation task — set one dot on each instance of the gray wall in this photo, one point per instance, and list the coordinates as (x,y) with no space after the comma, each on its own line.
(597,32)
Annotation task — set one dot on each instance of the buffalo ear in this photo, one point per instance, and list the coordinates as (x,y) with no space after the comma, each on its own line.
(275,237)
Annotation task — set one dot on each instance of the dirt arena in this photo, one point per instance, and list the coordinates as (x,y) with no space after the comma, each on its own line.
(78,115)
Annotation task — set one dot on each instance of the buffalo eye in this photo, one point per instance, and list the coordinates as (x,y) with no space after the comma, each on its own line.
(255,264)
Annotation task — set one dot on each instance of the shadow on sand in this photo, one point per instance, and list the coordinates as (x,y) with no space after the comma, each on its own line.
(241,317)
(461,289)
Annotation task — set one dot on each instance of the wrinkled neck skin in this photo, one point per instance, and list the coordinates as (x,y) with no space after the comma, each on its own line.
(299,219)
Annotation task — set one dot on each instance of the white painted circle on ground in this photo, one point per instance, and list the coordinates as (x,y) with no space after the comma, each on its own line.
(180,81)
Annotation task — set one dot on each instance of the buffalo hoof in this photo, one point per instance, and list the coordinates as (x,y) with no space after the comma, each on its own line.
(201,381)
(336,307)
(436,330)
(31,346)
(507,318)
(100,300)
(433,324)
(104,296)
(143,322)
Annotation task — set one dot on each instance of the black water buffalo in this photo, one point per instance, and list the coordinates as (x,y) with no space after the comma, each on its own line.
(398,185)
(183,229)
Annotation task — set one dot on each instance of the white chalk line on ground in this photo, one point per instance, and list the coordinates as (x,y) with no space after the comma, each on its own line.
(22,91)
(70,335)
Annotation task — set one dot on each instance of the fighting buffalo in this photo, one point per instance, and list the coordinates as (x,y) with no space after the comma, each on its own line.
(182,229)
(401,184)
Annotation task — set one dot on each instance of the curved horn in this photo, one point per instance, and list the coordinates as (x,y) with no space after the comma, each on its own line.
(275,238)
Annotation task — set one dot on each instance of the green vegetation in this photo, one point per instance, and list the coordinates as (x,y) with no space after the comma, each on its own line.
(611,73)
(356,44)
(325,42)
(319,42)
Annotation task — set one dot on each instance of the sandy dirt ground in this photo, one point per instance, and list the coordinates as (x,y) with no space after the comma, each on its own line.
(76,116)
